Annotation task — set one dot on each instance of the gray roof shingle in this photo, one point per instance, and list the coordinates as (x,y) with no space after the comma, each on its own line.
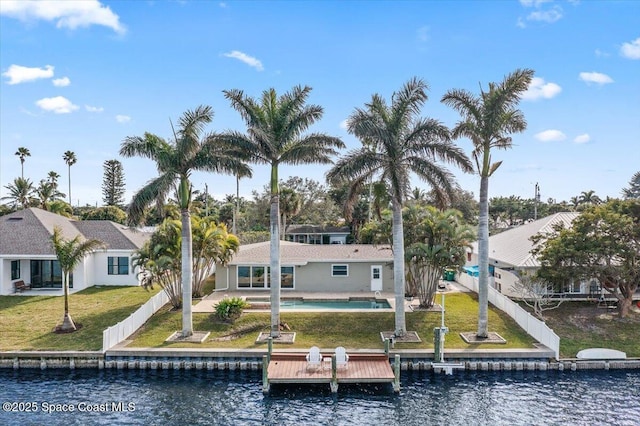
(29,231)
(301,254)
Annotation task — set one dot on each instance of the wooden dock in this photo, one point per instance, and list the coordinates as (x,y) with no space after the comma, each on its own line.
(361,368)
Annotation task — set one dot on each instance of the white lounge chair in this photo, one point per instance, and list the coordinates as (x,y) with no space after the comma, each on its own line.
(314,357)
(341,357)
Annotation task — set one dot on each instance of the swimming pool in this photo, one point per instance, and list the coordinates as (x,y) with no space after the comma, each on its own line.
(337,304)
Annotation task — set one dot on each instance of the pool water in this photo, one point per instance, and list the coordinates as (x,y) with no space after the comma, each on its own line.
(326,304)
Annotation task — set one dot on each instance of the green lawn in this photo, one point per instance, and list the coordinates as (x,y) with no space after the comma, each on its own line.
(26,322)
(352,330)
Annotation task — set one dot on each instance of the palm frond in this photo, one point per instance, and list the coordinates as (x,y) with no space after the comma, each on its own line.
(154,190)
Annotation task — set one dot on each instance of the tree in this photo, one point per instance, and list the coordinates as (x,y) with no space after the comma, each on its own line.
(69,157)
(634,188)
(112,213)
(603,243)
(53,177)
(22,153)
(404,143)
(536,294)
(70,253)
(20,193)
(47,192)
(189,151)
(588,198)
(275,135)
(290,205)
(113,188)
(488,120)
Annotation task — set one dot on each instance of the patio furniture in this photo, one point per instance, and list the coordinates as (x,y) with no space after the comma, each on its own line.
(20,286)
(341,357)
(314,357)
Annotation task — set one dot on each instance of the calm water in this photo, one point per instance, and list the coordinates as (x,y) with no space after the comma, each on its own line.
(235,398)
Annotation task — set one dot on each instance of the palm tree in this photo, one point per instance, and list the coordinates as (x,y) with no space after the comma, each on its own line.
(70,253)
(275,127)
(589,198)
(47,192)
(23,153)
(69,157)
(488,120)
(20,193)
(405,143)
(290,205)
(190,150)
(53,178)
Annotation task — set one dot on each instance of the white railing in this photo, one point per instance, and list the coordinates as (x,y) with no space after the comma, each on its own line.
(533,326)
(125,328)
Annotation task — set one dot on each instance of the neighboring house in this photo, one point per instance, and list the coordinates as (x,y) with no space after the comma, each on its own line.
(310,234)
(26,253)
(510,256)
(311,268)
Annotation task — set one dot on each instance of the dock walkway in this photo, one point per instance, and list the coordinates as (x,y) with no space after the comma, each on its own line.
(361,368)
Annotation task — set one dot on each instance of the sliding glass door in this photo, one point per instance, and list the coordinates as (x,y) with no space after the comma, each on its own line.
(47,274)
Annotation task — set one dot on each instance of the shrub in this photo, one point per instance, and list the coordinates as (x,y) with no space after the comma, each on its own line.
(230,309)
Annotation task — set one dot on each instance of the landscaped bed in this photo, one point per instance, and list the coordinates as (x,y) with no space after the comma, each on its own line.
(26,322)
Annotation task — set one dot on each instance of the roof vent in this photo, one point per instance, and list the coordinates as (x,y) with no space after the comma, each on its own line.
(15,219)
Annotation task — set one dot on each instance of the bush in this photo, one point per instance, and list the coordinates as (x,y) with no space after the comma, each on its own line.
(230,309)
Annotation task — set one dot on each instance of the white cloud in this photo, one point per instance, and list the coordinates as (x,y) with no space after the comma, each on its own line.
(61,82)
(601,53)
(66,14)
(534,3)
(595,77)
(539,89)
(550,15)
(550,136)
(58,105)
(18,74)
(423,34)
(582,138)
(93,108)
(123,118)
(222,5)
(343,124)
(631,50)
(243,57)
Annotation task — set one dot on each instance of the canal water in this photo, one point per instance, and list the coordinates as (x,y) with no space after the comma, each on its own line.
(112,397)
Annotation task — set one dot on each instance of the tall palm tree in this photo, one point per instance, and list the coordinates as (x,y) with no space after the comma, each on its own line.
(275,127)
(70,253)
(488,120)
(23,153)
(69,157)
(405,144)
(190,150)
(53,178)
(20,193)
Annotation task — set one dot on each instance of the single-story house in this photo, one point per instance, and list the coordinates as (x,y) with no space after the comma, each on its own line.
(311,268)
(26,253)
(313,234)
(510,256)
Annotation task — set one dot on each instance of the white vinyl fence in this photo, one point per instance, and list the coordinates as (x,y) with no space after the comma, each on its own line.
(119,332)
(533,326)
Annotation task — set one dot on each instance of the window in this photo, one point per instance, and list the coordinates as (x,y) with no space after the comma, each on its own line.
(15,269)
(258,277)
(118,265)
(339,270)
(286,277)
(47,273)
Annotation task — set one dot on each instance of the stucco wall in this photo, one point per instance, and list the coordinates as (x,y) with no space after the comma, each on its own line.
(99,269)
(316,277)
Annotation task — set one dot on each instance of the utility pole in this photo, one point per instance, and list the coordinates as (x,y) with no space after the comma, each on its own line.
(536,199)
(206,200)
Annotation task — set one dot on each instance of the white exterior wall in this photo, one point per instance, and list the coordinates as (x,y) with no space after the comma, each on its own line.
(100,271)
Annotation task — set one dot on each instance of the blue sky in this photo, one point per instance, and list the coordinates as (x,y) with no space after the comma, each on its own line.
(83,75)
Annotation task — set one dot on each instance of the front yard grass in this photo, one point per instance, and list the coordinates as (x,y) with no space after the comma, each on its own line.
(331,329)
(26,322)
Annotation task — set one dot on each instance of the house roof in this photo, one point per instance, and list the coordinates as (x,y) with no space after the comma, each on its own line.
(513,247)
(29,231)
(301,254)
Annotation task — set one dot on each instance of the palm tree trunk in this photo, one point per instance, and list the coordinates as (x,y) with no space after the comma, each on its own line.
(67,322)
(483,259)
(274,218)
(398,267)
(70,203)
(187,275)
